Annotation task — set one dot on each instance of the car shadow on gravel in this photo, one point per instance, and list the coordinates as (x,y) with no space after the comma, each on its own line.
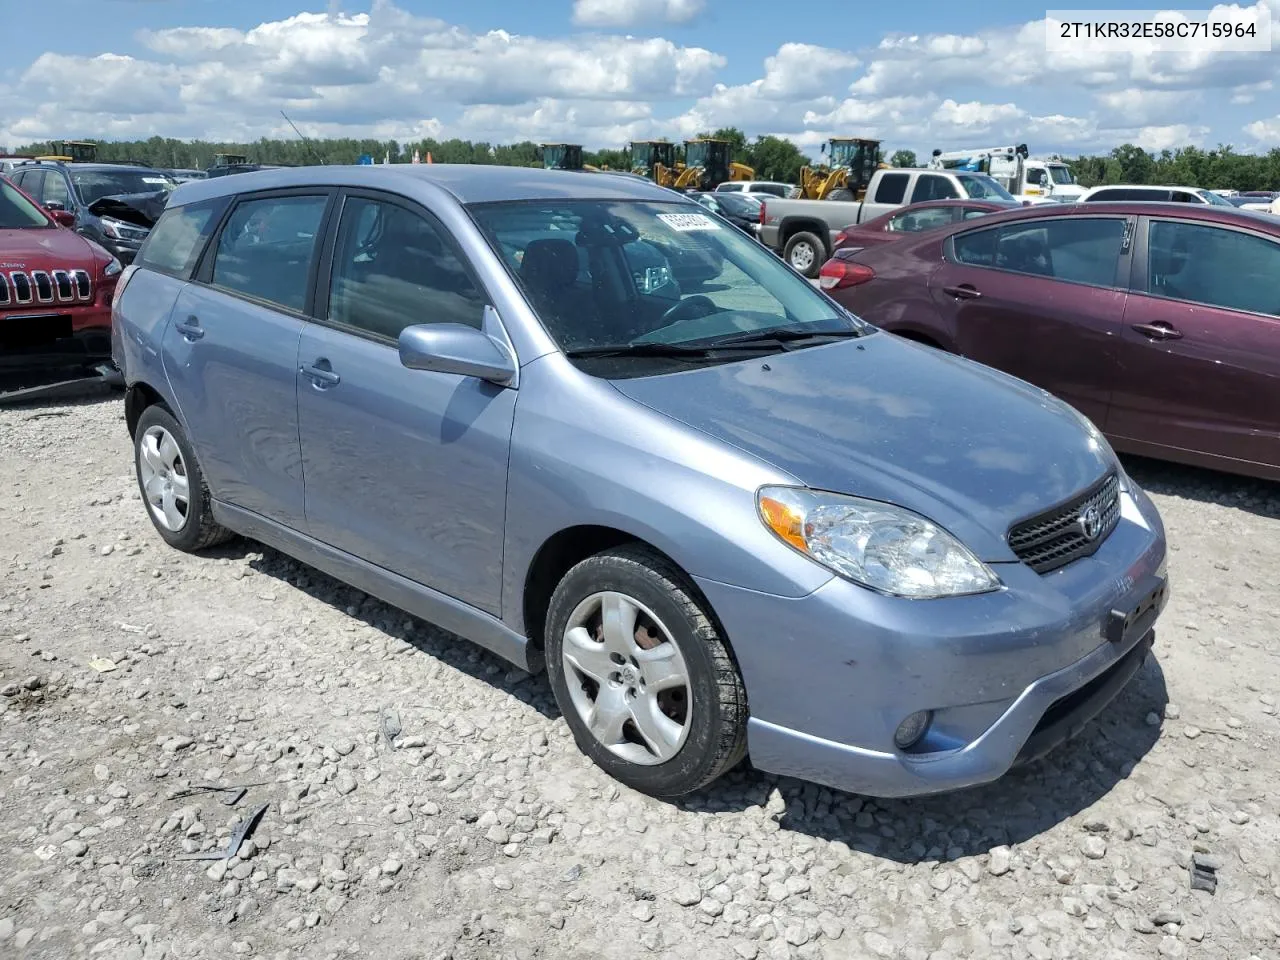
(1020,806)
(1261,497)
(452,651)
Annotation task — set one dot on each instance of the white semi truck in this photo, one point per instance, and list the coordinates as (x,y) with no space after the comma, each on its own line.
(1027,178)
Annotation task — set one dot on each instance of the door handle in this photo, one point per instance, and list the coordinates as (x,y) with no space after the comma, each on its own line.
(190,328)
(321,374)
(1158,331)
(963,292)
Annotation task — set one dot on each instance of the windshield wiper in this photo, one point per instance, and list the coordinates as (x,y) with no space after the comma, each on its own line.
(653,349)
(785,335)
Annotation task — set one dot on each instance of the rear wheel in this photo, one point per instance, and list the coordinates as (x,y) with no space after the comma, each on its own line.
(172,484)
(643,677)
(805,252)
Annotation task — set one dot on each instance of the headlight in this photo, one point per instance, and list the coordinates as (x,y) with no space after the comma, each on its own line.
(112,268)
(877,545)
(119,230)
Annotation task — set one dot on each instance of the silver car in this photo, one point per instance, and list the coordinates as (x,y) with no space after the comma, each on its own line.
(587,424)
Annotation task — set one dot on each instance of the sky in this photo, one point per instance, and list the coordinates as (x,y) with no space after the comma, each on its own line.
(917,75)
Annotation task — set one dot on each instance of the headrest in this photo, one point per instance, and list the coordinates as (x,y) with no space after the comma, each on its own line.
(550,263)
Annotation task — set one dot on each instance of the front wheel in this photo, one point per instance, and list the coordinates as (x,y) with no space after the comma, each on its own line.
(643,677)
(805,252)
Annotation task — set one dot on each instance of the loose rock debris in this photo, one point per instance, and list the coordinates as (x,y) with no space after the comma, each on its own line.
(485,834)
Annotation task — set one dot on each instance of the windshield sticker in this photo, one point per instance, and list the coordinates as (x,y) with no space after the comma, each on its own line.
(687,222)
(154,180)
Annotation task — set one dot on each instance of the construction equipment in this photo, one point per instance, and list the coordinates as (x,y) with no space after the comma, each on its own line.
(564,156)
(229,159)
(655,159)
(72,151)
(1026,177)
(707,164)
(850,163)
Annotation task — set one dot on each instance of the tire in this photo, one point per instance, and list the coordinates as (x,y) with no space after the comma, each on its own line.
(842,193)
(161,463)
(695,732)
(805,252)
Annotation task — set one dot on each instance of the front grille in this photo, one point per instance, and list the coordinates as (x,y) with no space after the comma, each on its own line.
(41,286)
(1069,531)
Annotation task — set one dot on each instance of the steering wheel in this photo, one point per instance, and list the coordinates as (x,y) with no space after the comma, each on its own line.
(695,306)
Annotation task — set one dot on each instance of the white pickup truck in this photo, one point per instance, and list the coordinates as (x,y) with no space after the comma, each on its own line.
(803,231)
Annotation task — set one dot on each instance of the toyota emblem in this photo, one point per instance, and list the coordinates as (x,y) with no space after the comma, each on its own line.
(1091,523)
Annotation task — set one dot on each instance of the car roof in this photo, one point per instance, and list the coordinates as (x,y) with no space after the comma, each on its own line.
(1137,208)
(467,182)
(1143,186)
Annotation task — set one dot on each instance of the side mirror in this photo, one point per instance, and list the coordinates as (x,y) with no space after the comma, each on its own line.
(53,206)
(64,217)
(456,348)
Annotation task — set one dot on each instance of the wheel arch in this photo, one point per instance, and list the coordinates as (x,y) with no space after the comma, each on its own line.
(566,548)
(792,225)
(138,396)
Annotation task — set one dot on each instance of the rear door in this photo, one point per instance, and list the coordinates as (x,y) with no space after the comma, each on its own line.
(1200,348)
(231,350)
(890,193)
(1041,299)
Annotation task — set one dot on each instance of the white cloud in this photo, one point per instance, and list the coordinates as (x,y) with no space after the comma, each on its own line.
(629,13)
(392,74)
(1266,132)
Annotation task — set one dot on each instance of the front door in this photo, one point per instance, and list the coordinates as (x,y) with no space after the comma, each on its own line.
(231,353)
(1042,300)
(1201,343)
(406,469)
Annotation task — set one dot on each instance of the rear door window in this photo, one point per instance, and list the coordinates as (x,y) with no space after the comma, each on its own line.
(930,186)
(892,188)
(55,190)
(266,248)
(29,181)
(1213,265)
(176,241)
(918,220)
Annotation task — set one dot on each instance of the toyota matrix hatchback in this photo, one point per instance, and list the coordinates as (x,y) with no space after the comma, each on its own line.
(724,513)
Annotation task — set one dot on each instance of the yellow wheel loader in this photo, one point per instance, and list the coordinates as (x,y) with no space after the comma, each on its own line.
(707,164)
(563,156)
(845,175)
(655,159)
(72,151)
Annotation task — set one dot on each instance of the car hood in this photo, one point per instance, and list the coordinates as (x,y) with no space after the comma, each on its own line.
(969,447)
(43,250)
(143,209)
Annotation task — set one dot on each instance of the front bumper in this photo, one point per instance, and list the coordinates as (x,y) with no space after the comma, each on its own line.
(1007,675)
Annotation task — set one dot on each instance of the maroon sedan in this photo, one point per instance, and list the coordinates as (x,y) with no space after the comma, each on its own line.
(916,218)
(1160,322)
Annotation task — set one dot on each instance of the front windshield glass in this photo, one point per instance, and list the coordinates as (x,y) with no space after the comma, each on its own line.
(738,204)
(1215,199)
(621,273)
(17,212)
(93,185)
(1059,173)
(981,187)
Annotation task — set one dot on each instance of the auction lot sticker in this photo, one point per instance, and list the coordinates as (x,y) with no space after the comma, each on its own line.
(688,222)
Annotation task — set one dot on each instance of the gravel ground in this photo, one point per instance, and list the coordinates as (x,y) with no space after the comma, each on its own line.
(130,673)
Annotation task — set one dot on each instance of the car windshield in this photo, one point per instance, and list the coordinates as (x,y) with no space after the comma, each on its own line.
(738,204)
(981,187)
(17,212)
(1215,199)
(93,185)
(1059,173)
(646,275)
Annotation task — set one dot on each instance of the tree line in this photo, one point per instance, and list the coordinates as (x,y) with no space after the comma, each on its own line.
(772,158)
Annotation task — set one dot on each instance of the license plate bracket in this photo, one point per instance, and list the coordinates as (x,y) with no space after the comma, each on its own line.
(1123,626)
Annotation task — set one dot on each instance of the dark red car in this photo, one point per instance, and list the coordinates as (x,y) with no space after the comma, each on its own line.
(916,218)
(55,290)
(1160,322)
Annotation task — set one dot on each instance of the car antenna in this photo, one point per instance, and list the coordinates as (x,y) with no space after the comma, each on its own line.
(310,147)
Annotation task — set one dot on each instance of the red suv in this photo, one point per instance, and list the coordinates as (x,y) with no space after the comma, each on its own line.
(1160,322)
(55,290)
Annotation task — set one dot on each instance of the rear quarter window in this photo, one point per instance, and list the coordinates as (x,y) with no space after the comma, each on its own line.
(892,188)
(179,236)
